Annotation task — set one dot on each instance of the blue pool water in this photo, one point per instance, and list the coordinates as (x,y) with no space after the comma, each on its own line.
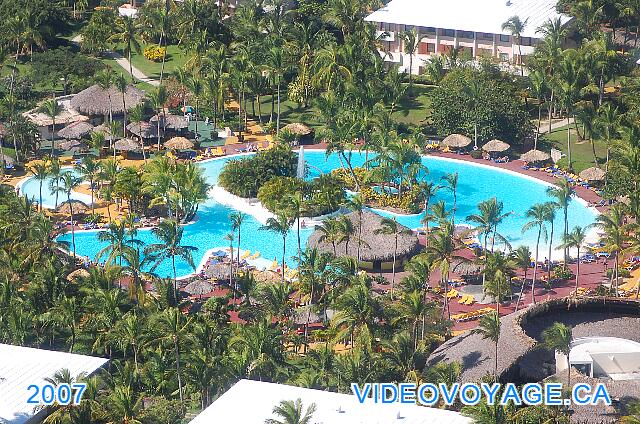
(31,188)
(476,183)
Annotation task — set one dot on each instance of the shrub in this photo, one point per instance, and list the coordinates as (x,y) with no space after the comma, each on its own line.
(622,272)
(320,196)
(154,53)
(476,154)
(562,273)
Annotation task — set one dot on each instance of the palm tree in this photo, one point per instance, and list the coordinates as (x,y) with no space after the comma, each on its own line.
(538,214)
(489,328)
(70,182)
(357,310)
(442,250)
(356,204)
(126,32)
(121,84)
(158,99)
(522,258)
(89,170)
(451,181)
(563,193)
(576,238)
(195,85)
(237,219)
(411,40)
(539,87)
(516,27)
(277,67)
(117,243)
(169,232)
(616,236)
(389,226)
(51,108)
(473,91)
(558,337)
(280,225)
(608,123)
(330,232)
(551,217)
(292,412)
(40,172)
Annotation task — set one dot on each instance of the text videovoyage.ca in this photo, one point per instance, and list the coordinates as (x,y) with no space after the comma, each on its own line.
(430,394)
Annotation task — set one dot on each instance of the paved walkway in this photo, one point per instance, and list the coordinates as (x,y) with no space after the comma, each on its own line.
(555,124)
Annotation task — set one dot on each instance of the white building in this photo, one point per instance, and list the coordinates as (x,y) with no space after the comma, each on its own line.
(474,26)
(608,357)
(21,367)
(252,402)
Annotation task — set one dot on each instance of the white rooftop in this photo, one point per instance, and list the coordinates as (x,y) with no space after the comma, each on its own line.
(582,348)
(468,15)
(22,366)
(252,402)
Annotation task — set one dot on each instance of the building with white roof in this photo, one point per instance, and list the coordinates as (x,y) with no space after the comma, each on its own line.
(598,357)
(23,366)
(470,25)
(252,402)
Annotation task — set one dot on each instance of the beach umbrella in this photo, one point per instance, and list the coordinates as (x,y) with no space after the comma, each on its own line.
(73,145)
(76,130)
(496,146)
(167,120)
(78,207)
(298,128)
(178,143)
(199,287)
(218,271)
(127,145)
(456,141)
(535,156)
(593,174)
(97,101)
(102,128)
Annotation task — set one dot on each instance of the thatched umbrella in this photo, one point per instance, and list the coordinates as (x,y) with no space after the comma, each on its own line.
(73,145)
(466,268)
(102,128)
(496,146)
(199,287)
(593,174)
(178,143)
(76,130)
(374,246)
(7,160)
(78,207)
(535,156)
(298,129)
(456,141)
(219,271)
(144,129)
(173,122)
(127,145)
(97,101)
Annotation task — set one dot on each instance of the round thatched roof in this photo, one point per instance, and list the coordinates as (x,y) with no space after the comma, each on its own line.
(374,247)
(456,141)
(102,128)
(127,145)
(298,129)
(78,274)
(7,159)
(144,129)
(173,122)
(199,287)
(97,101)
(593,174)
(219,271)
(178,143)
(78,207)
(72,145)
(496,146)
(76,130)
(535,156)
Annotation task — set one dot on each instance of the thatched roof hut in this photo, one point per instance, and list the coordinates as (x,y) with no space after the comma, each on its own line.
(298,129)
(102,128)
(374,247)
(535,156)
(78,207)
(76,130)
(218,271)
(73,145)
(593,174)
(173,122)
(199,287)
(127,145)
(178,143)
(97,101)
(496,146)
(456,141)
(144,129)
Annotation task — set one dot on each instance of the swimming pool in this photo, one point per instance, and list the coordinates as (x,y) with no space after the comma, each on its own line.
(30,187)
(476,183)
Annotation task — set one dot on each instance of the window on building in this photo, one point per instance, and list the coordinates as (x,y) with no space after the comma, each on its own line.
(466,34)
(505,38)
(504,57)
(408,27)
(449,32)
(426,30)
(526,41)
(485,36)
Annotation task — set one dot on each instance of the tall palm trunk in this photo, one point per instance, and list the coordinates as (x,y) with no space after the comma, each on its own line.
(577,272)
(73,232)
(284,250)
(535,268)
(569,141)
(550,247)
(278,118)
(175,278)
(393,267)
(176,349)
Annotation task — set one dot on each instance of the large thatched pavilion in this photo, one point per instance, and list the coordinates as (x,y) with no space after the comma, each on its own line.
(97,102)
(522,360)
(376,250)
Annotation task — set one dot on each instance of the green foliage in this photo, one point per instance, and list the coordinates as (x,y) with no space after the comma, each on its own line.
(96,33)
(154,53)
(501,114)
(562,273)
(75,70)
(245,176)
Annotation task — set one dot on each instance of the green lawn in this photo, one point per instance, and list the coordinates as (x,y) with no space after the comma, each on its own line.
(581,152)
(417,108)
(176,58)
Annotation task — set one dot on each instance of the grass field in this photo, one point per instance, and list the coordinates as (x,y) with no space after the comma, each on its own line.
(176,59)
(581,152)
